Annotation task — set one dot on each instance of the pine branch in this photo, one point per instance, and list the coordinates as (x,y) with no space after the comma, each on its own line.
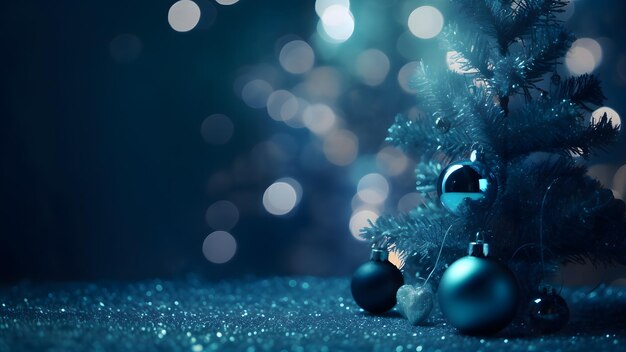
(550,44)
(474,48)
(582,89)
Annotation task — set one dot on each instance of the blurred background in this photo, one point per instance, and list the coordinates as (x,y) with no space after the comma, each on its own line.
(147,139)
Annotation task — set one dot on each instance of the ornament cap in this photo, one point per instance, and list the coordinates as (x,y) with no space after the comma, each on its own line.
(379,255)
(478,248)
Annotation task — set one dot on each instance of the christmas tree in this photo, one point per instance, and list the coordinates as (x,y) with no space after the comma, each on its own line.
(508,123)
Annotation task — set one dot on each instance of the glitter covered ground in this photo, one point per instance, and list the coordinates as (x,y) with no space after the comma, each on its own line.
(290,314)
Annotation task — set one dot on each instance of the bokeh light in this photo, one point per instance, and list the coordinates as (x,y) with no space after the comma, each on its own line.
(255,93)
(322,5)
(372,67)
(217,129)
(280,198)
(394,258)
(222,215)
(425,22)
(341,147)
(219,247)
(611,114)
(391,161)
(319,118)
(584,56)
(323,83)
(338,23)
(282,105)
(410,201)
(405,76)
(359,220)
(125,48)
(456,62)
(227,2)
(373,188)
(297,57)
(183,15)
(296,187)
(619,182)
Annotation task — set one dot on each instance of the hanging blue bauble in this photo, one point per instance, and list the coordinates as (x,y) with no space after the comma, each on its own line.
(375,284)
(465,180)
(478,295)
(548,312)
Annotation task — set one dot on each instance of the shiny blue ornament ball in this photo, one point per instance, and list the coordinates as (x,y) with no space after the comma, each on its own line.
(478,296)
(548,312)
(465,181)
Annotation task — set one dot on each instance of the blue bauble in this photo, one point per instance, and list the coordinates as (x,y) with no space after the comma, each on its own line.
(465,181)
(375,284)
(478,296)
(548,312)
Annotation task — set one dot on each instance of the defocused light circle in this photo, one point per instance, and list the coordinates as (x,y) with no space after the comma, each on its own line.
(610,113)
(183,15)
(226,2)
(410,201)
(222,215)
(373,188)
(319,118)
(280,198)
(341,147)
(619,182)
(219,247)
(217,129)
(425,22)
(372,67)
(282,105)
(296,187)
(456,63)
(322,5)
(297,57)
(391,161)
(338,22)
(405,76)
(359,220)
(584,56)
(255,93)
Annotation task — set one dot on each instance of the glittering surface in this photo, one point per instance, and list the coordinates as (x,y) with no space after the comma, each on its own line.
(290,314)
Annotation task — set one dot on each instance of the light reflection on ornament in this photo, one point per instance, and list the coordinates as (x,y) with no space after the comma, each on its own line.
(297,57)
(359,220)
(219,247)
(373,188)
(183,15)
(341,147)
(425,22)
(372,67)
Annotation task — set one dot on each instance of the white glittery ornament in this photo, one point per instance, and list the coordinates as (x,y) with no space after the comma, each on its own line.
(415,302)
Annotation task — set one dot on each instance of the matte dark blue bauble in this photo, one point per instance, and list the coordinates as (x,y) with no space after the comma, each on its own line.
(548,312)
(465,180)
(478,296)
(375,284)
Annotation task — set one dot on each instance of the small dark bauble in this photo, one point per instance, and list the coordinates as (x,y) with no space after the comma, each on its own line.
(375,284)
(548,312)
(556,79)
(442,124)
(465,180)
(478,296)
